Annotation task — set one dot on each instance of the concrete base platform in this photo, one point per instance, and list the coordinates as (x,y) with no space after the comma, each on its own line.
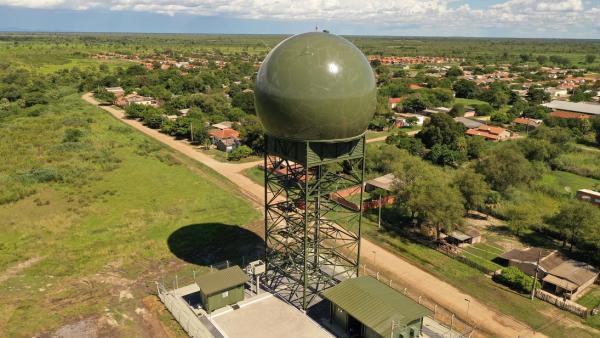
(266,316)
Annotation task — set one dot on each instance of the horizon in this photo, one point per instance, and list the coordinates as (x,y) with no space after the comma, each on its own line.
(522,19)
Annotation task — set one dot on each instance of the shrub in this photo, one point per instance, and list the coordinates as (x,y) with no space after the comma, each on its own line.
(515,279)
(239,153)
(72,135)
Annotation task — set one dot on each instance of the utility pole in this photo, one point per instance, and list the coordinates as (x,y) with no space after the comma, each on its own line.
(468,306)
(379,219)
(537,268)
(192,131)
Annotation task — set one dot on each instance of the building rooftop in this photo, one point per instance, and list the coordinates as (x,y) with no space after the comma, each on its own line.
(579,107)
(375,304)
(224,133)
(221,280)
(569,115)
(384,182)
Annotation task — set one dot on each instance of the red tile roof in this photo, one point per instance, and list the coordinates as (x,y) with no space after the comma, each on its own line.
(569,115)
(526,121)
(394,100)
(224,133)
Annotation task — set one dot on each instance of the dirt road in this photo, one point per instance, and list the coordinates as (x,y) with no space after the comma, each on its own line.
(403,272)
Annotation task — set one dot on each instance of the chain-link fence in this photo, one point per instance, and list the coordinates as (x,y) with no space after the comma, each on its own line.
(440,314)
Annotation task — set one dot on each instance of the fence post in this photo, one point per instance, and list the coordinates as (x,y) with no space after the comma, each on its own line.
(377,275)
(390,282)
(420,299)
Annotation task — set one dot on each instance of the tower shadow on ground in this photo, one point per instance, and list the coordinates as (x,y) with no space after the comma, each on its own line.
(209,243)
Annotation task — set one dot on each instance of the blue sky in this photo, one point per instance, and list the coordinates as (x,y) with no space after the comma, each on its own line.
(494,18)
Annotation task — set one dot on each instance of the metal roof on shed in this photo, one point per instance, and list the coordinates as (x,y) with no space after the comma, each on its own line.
(375,304)
(580,107)
(221,280)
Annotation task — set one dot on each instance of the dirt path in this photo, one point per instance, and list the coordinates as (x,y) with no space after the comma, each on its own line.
(382,138)
(16,269)
(405,273)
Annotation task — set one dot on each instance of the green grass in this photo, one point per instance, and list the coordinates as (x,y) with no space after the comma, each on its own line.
(591,300)
(374,134)
(582,162)
(108,228)
(566,181)
(469,102)
(256,174)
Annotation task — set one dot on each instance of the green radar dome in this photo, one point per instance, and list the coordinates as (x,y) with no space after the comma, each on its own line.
(315,87)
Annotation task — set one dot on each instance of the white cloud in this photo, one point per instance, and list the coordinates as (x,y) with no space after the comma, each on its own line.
(440,15)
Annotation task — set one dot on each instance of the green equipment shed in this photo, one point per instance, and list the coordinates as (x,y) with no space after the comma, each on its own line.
(220,288)
(365,307)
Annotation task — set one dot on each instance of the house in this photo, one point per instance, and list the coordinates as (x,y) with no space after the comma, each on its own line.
(184,112)
(365,307)
(471,124)
(221,288)
(116,91)
(469,112)
(462,239)
(490,133)
(420,118)
(557,92)
(134,98)
(559,275)
(587,108)
(385,182)
(569,115)
(588,195)
(527,122)
(393,102)
(225,139)
(223,125)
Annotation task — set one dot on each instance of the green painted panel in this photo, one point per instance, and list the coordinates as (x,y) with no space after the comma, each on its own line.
(222,299)
(315,86)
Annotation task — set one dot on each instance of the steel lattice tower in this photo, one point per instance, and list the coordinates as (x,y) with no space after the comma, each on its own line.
(307,250)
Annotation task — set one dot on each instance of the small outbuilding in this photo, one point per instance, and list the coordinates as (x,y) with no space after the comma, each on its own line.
(220,288)
(462,239)
(365,307)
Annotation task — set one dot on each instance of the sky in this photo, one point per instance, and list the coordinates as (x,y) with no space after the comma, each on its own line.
(577,19)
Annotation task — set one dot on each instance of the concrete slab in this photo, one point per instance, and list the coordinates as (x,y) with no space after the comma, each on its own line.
(267,317)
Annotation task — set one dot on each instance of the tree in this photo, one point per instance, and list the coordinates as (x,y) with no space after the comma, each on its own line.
(465,89)
(244,101)
(104,96)
(542,59)
(457,110)
(454,71)
(427,195)
(596,127)
(252,134)
(443,155)
(590,58)
(413,104)
(441,129)
(574,220)
(537,95)
(475,146)
(483,109)
(473,188)
(403,141)
(505,166)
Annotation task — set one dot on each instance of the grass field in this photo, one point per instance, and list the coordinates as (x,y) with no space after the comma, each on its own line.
(256,175)
(583,162)
(91,246)
(590,300)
